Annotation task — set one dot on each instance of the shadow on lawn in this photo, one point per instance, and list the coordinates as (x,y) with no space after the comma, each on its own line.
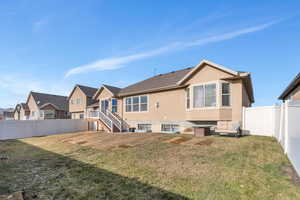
(46,175)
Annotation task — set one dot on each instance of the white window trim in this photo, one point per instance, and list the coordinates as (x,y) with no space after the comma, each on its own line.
(230,94)
(170,131)
(148,103)
(205,108)
(189,88)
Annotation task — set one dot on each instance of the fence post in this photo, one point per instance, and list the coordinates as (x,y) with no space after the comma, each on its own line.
(244,120)
(286,127)
(281,123)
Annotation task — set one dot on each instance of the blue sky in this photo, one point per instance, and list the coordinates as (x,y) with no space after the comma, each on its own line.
(51,45)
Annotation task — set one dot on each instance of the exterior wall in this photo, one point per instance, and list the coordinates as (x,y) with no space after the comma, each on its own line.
(295,95)
(77,94)
(107,95)
(76,115)
(16,115)
(59,114)
(172,104)
(167,110)
(246,100)
(33,108)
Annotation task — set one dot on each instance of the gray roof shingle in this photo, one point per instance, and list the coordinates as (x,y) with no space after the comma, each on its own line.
(88,91)
(295,83)
(112,89)
(61,102)
(160,81)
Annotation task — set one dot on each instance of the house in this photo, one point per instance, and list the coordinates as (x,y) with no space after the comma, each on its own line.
(207,94)
(292,92)
(21,112)
(6,114)
(79,99)
(47,106)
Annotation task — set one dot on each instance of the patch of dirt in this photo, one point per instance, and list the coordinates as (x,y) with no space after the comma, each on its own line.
(178,140)
(108,141)
(207,142)
(125,146)
(81,142)
(292,174)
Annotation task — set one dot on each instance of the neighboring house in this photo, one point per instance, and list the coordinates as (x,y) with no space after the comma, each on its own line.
(21,112)
(79,99)
(47,106)
(292,92)
(6,114)
(207,94)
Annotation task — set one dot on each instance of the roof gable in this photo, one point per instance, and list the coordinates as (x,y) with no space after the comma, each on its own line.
(202,64)
(291,87)
(41,99)
(114,91)
(87,91)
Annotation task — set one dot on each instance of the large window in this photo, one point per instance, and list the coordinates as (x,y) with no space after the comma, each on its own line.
(204,96)
(49,114)
(171,128)
(144,127)
(136,104)
(114,105)
(225,94)
(128,104)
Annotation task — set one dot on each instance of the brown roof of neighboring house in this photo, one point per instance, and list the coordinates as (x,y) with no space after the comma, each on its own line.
(88,91)
(41,99)
(112,89)
(295,83)
(24,106)
(96,104)
(161,81)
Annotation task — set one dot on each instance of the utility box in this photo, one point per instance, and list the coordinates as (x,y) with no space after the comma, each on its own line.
(201,131)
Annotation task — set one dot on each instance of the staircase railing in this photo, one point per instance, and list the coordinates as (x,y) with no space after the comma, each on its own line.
(116,121)
(124,125)
(106,120)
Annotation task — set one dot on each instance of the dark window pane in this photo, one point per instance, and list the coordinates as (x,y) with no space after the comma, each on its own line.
(135,107)
(128,108)
(135,100)
(225,100)
(144,99)
(144,107)
(225,88)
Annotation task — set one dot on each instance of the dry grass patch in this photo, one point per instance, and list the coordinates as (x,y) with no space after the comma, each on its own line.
(145,166)
(177,140)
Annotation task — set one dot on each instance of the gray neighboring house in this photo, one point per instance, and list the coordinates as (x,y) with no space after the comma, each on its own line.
(47,106)
(292,92)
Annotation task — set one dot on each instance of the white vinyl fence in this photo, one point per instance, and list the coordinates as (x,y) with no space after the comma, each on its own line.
(281,122)
(13,129)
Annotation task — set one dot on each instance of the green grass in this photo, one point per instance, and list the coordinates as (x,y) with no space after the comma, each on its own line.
(228,168)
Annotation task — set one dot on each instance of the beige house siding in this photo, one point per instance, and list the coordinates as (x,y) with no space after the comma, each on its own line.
(295,95)
(17,115)
(75,108)
(33,108)
(107,95)
(172,104)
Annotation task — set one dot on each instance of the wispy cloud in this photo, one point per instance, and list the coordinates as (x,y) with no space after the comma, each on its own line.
(118,62)
(17,87)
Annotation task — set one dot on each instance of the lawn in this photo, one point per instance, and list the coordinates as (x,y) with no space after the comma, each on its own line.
(145,166)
